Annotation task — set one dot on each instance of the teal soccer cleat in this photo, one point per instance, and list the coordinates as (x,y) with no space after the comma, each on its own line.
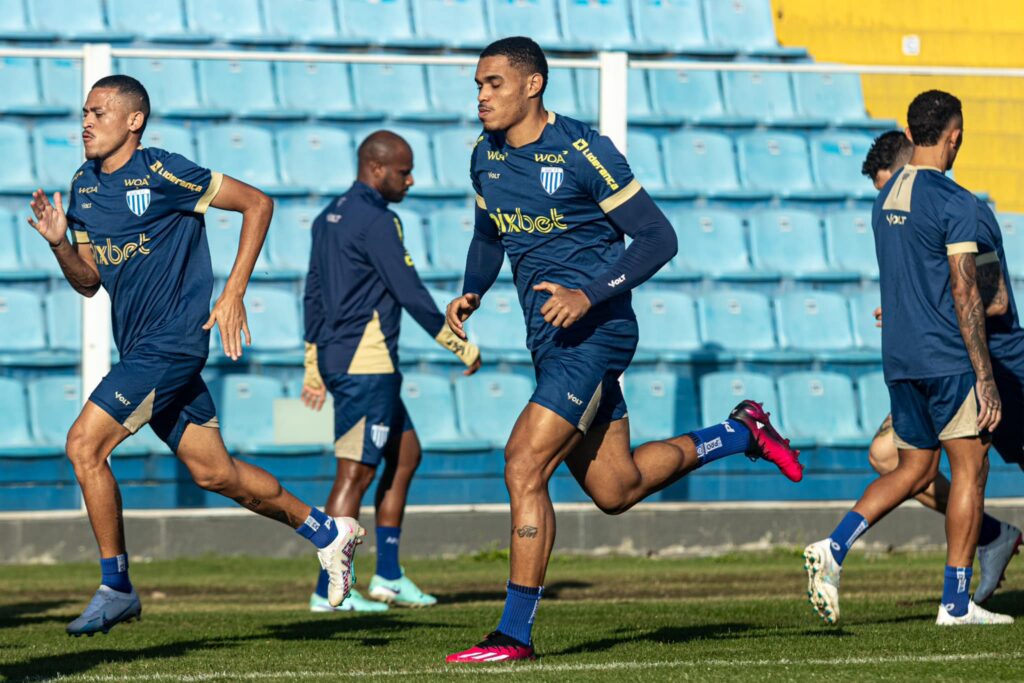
(401,592)
(353,603)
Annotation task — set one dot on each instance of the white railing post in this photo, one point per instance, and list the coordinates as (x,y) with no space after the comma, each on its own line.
(614,76)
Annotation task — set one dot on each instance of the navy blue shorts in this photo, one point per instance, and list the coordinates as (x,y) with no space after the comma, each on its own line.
(580,380)
(368,415)
(926,412)
(157,387)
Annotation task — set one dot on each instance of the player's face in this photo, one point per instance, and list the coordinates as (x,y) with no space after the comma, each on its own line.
(881,178)
(396,176)
(504,96)
(106,123)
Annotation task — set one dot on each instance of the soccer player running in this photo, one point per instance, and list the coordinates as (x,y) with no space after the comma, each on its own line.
(998,541)
(935,355)
(360,278)
(558,199)
(135,215)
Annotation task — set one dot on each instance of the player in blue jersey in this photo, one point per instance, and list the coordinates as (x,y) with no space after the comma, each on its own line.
(136,220)
(935,355)
(360,278)
(558,199)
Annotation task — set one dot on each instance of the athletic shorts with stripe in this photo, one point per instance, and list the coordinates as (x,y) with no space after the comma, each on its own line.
(368,415)
(926,412)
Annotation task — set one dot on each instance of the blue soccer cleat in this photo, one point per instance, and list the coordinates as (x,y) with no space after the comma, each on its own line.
(107,608)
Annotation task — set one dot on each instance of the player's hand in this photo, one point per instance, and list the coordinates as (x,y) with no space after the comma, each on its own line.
(229,315)
(314,398)
(878,316)
(50,220)
(990,408)
(459,310)
(565,306)
(474,367)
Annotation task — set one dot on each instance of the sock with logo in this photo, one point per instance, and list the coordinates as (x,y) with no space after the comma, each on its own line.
(320,529)
(717,441)
(387,552)
(990,527)
(852,526)
(520,611)
(956,590)
(115,573)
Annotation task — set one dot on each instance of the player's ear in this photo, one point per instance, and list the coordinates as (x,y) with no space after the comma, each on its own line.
(955,136)
(135,121)
(906,131)
(534,85)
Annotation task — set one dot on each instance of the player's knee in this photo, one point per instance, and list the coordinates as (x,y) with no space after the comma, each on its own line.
(882,455)
(522,476)
(82,451)
(610,503)
(215,479)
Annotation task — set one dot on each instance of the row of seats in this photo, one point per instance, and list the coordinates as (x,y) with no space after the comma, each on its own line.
(712,27)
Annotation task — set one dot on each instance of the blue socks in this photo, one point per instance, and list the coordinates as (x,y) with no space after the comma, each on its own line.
(989,529)
(956,590)
(322,582)
(846,534)
(520,611)
(115,573)
(387,552)
(717,441)
(319,529)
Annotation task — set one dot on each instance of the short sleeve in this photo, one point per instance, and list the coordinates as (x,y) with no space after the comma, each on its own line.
(75,225)
(603,172)
(188,186)
(960,221)
(477,190)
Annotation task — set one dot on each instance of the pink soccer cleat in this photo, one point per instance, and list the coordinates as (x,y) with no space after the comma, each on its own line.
(496,647)
(765,442)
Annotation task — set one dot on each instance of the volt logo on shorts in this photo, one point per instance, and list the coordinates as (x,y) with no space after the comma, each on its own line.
(572,397)
(120,397)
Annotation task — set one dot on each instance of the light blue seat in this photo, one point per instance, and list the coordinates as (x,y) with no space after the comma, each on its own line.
(451,231)
(674,26)
(273,316)
(454,147)
(312,22)
(380,22)
(1012,227)
(173,138)
(54,402)
(692,96)
(20,94)
(15,438)
(712,242)
(535,18)
(720,392)
(223,229)
(80,20)
(659,408)
(817,321)
(453,90)
(638,101)
(498,327)
(10,263)
(598,24)
(291,236)
(766,97)
(245,88)
(61,81)
(172,87)
(34,251)
(245,408)
(155,22)
(414,237)
(58,154)
(873,398)
(417,344)
(459,24)
(862,310)
(233,21)
(64,319)
(21,321)
(790,242)
(747,26)
(322,89)
(376,86)
(668,324)
(564,96)
(851,242)
(778,163)
(704,163)
(243,152)
(837,158)
(430,401)
(740,324)
(16,175)
(836,97)
(820,406)
(489,404)
(645,160)
(14,24)
(320,158)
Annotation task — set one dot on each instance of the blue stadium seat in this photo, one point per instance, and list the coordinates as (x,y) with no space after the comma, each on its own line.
(306,21)
(172,88)
(34,252)
(54,402)
(431,404)
(155,22)
(645,160)
(851,242)
(766,97)
(862,307)
(245,407)
(453,90)
(837,97)
(15,438)
(459,24)
(535,18)
(820,406)
(64,320)
(14,24)
(414,237)
(638,101)
(62,83)
(58,154)
(451,230)
(747,26)
(693,97)
(489,404)
(16,175)
(376,85)
(245,88)
(674,26)
(714,244)
(660,406)
(320,88)
(317,157)
(20,94)
(598,24)
(233,21)
(291,235)
(10,264)
(721,391)
(739,323)
(80,20)
(223,229)
(176,139)
(416,344)
(242,152)
(498,327)
(837,158)
(668,324)
(873,397)
(704,163)
(273,316)
(21,321)
(790,242)
(453,148)
(818,321)
(570,94)
(381,22)
(1012,227)
(778,163)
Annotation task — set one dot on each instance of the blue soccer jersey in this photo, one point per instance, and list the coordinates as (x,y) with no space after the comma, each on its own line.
(920,218)
(548,203)
(145,224)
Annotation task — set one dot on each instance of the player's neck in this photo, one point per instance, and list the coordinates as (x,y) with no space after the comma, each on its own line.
(121,156)
(932,157)
(528,130)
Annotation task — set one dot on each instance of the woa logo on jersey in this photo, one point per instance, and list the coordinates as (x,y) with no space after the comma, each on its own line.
(138,201)
(551,178)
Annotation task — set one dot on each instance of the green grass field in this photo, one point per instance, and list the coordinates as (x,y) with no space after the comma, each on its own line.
(738,618)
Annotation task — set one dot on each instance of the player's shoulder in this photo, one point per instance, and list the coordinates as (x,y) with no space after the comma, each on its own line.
(156,158)
(586,145)
(85,175)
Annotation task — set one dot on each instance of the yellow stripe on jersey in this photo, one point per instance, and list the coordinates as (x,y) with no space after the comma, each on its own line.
(962,248)
(211,192)
(621,197)
(81,237)
(481,203)
(987,258)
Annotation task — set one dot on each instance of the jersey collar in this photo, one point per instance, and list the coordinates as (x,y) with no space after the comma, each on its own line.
(371,195)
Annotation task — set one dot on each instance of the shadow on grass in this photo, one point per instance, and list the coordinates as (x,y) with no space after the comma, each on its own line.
(550,593)
(1007,602)
(26,613)
(664,636)
(356,627)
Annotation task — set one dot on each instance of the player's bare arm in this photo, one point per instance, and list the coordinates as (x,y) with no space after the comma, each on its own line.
(993,288)
(76,261)
(229,312)
(970,313)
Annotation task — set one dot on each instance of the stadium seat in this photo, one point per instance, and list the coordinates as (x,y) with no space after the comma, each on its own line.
(14,24)
(245,408)
(714,244)
(243,152)
(176,139)
(836,97)
(660,406)
(790,242)
(837,158)
(862,307)
(489,404)
(233,21)
(668,324)
(223,229)
(453,148)
(778,163)
(34,252)
(53,404)
(598,24)
(535,18)
(818,321)
(704,163)
(21,321)
(10,264)
(16,175)
(381,23)
(766,97)
(416,344)
(453,90)
(566,97)
(376,85)
(274,321)
(80,20)
(305,21)
(58,154)
(414,237)
(638,101)
(155,22)
(20,94)
(246,88)
(15,437)
(1012,227)
(172,88)
(498,327)
(746,25)
(64,319)
(851,242)
(322,89)
(317,157)
(645,160)
(62,83)
(431,404)
(291,235)
(459,24)
(820,406)
(721,391)
(693,97)
(675,26)
(451,231)
(873,397)
(739,324)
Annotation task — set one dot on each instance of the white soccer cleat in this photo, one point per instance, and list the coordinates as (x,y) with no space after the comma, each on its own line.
(336,559)
(107,608)
(993,558)
(823,573)
(975,615)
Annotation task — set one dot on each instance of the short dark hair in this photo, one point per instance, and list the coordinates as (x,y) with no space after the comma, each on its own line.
(929,114)
(889,151)
(522,53)
(131,89)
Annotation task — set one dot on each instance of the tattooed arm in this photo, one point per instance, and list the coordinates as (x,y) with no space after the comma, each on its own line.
(970,313)
(992,287)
